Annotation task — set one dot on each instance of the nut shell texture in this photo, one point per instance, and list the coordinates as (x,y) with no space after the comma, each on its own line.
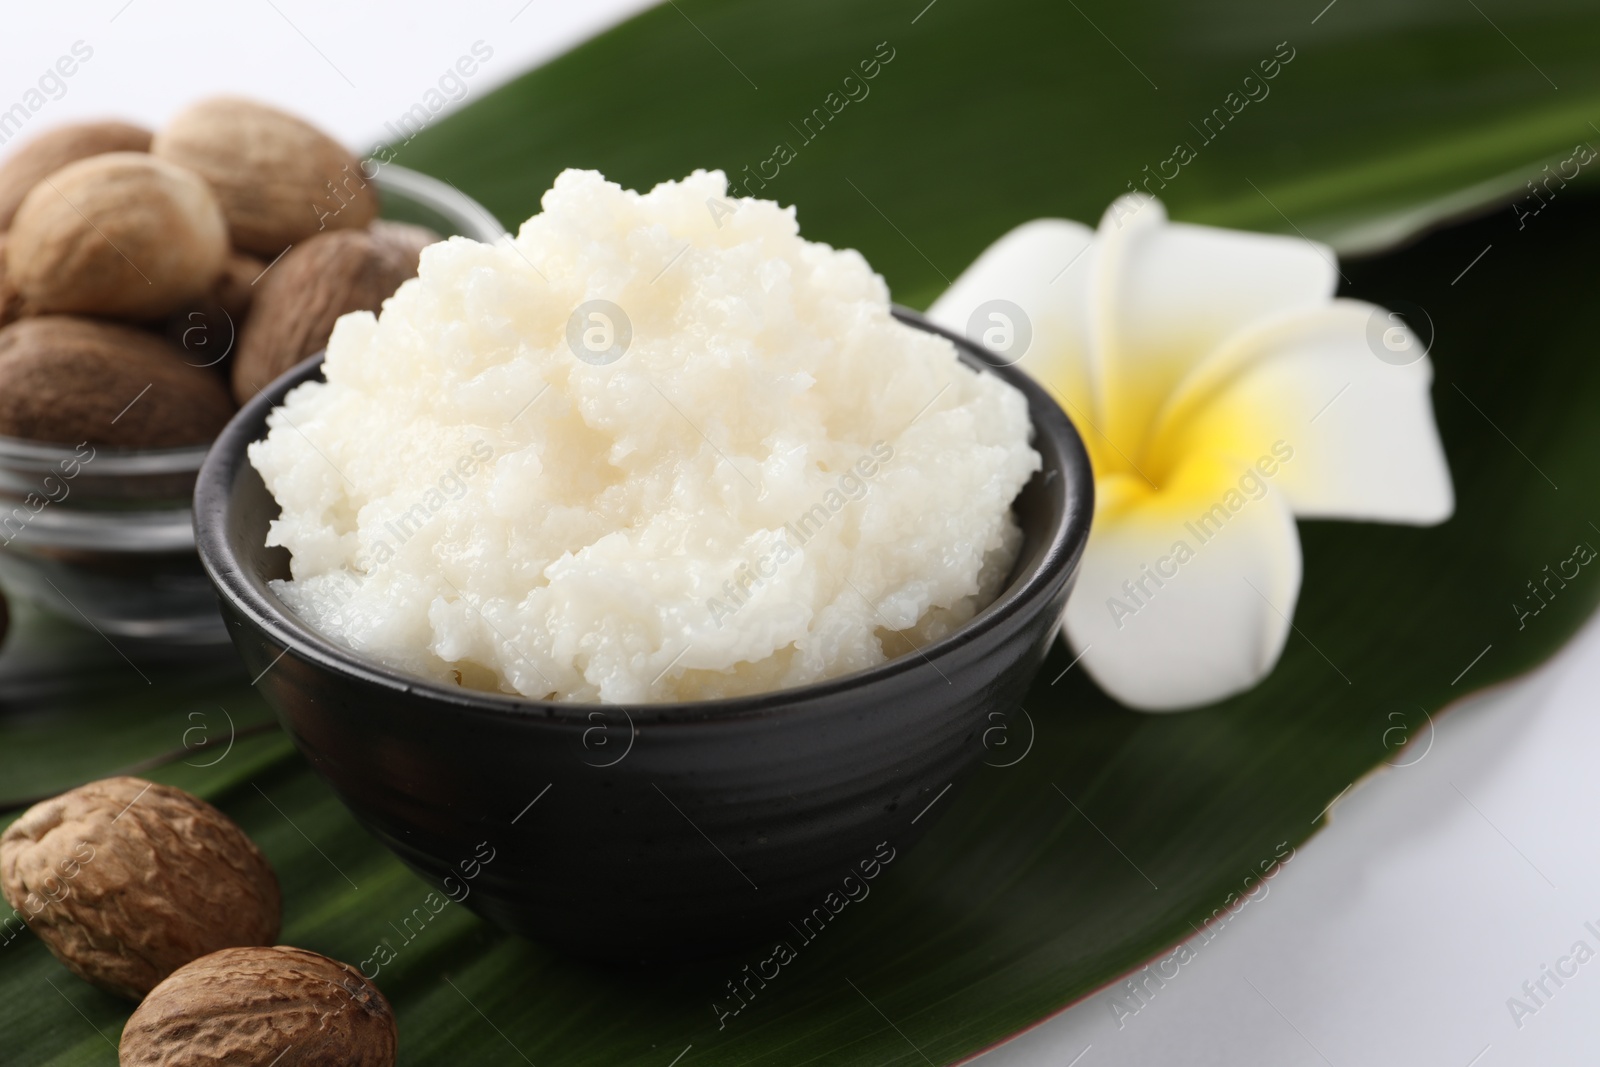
(246,1007)
(122,234)
(279,178)
(12,306)
(126,881)
(66,379)
(54,149)
(301,298)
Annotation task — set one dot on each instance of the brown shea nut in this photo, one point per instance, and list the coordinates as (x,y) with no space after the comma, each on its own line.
(126,881)
(12,306)
(54,149)
(67,380)
(208,329)
(279,179)
(121,234)
(235,287)
(204,332)
(301,298)
(247,1007)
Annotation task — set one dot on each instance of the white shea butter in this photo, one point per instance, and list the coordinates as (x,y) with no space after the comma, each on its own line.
(657,447)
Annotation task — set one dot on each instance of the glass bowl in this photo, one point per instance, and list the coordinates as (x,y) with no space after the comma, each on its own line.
(105,536)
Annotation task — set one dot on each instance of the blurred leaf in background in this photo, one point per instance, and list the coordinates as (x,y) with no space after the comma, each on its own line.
(1381,115)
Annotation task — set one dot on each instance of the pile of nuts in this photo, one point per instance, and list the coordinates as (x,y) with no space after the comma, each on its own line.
(151,282)
(152,894)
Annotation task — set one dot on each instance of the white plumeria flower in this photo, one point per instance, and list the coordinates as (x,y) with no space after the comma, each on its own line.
(1221,391)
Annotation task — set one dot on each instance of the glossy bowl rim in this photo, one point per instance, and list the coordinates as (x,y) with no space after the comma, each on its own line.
(213,490)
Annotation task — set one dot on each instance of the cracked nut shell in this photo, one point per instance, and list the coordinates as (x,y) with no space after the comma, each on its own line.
(126,881)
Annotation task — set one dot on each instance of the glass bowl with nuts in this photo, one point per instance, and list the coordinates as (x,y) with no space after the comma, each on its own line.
(150,283)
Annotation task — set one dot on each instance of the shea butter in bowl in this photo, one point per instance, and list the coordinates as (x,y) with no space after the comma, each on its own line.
(638,580)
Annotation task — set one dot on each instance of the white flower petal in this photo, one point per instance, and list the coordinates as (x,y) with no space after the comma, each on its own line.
(1361,429)
(1221,391)
(1168,294)
(1195,624)
(1043,267)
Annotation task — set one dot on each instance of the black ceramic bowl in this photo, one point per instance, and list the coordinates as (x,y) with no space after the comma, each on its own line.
(662,829)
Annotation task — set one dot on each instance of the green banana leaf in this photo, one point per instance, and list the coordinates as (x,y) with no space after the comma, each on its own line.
(1097,837)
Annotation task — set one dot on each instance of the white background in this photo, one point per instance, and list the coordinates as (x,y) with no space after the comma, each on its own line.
(1394,937)
(351,67)
(1397,934)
